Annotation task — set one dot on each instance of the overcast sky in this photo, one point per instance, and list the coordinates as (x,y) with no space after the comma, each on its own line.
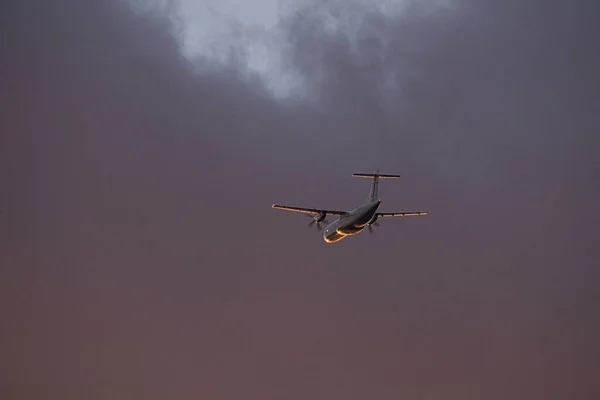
(139,254)
(256,32)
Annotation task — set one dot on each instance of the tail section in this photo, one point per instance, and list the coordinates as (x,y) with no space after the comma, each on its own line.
(373,194)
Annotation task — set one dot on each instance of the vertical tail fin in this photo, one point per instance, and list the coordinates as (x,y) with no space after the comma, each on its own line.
(374,192)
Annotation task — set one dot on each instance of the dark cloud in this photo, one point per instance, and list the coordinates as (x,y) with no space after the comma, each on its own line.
(139,255)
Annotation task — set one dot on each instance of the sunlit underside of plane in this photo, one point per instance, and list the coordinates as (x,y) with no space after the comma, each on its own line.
(352,222)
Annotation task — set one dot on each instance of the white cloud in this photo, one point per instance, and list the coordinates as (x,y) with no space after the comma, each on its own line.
(211,29)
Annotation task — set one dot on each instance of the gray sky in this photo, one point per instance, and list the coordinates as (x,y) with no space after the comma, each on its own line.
(140,256)
(256,30)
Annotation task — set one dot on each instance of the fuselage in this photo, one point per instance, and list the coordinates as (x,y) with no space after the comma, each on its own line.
(351,223)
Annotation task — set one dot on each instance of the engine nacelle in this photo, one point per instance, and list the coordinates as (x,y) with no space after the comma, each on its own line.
(319,217)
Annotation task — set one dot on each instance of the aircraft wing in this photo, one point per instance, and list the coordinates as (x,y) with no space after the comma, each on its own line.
(402,214)
(308,210)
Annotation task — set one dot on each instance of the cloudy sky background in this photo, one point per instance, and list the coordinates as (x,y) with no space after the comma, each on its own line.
(140,155)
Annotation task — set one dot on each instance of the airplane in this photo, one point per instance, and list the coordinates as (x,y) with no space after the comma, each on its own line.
(352,222)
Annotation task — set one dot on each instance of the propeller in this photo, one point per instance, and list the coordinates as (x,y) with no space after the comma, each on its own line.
(317,218)
(371,228)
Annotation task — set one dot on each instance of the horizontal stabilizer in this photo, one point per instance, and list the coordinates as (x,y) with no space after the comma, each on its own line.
(363,175)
